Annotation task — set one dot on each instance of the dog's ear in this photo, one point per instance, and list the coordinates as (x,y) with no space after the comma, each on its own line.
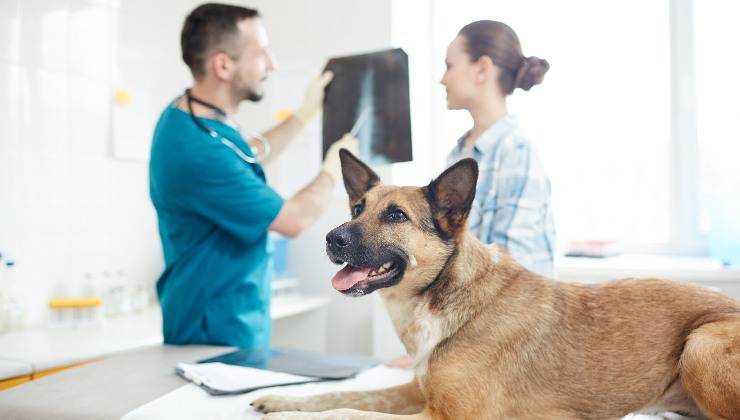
(451,195)
(358,177)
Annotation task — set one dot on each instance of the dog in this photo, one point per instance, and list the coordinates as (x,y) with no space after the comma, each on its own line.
(492,340)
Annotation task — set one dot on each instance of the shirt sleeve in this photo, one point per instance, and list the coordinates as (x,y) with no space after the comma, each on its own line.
(522,191)
(234,197)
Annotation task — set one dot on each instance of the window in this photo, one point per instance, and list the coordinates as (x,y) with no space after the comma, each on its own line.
(608,120)
(717,93)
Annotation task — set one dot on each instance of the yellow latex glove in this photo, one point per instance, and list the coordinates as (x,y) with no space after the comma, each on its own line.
(313,100)
(332,164)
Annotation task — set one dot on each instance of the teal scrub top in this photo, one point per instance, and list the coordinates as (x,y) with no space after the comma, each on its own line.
(213,210)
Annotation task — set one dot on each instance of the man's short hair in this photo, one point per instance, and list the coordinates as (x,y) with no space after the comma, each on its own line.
(211,26)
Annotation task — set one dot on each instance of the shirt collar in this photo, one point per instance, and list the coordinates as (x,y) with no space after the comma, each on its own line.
(491,136)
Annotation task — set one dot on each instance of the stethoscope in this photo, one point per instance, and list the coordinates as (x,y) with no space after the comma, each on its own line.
(211,132)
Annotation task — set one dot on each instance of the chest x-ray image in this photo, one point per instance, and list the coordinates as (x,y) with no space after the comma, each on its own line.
(369,97)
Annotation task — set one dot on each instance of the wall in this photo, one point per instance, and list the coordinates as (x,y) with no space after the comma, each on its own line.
(68,208)
(302,41)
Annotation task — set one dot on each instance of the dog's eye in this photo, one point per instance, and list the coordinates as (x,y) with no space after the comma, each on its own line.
(357,209)
(396,215)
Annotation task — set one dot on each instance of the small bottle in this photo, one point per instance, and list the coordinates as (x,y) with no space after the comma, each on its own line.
(111,301)
(123,288)
(4,309)
(16,308)
(139,297)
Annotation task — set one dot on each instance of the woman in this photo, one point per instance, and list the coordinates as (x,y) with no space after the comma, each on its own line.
(512,203)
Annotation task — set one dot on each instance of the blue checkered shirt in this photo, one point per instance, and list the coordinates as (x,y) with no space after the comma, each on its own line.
(512,199)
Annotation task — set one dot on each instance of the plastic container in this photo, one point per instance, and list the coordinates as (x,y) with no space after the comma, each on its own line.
(74,312)
(4,316)
(279,249)
(285,288)
(724,231)
(4,312)
(15,308)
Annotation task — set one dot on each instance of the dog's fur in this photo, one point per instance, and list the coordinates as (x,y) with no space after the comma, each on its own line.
(491,340)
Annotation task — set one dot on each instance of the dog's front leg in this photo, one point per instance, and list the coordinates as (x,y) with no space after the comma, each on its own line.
(344,414)
(402,399)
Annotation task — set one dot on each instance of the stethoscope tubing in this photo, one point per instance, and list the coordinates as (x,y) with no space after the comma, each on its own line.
(228,143)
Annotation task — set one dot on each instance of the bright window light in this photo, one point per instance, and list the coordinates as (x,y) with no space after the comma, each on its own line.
(601,119)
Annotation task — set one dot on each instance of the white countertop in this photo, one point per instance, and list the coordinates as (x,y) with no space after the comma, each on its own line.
(11,369)
(288,306)
(48,348)
(654,266)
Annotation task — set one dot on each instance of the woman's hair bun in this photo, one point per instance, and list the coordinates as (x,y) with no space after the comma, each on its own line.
(531,72)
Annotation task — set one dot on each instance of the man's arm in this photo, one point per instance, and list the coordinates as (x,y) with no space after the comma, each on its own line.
(279,137)
(300,211)
(283,133)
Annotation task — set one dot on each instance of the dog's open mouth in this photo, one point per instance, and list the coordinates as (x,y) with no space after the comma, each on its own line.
(352,278)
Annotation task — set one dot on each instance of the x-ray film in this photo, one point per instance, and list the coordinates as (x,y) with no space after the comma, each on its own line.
(369,96)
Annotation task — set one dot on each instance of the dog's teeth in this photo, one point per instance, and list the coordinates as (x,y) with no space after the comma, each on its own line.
(380,270)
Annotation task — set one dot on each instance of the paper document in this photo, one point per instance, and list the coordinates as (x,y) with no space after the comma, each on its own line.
(223,379)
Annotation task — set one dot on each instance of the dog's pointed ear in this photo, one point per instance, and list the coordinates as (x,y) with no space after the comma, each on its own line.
(358,177)
(451,195)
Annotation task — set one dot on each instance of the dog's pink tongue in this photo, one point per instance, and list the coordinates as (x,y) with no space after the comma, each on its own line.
(348,277)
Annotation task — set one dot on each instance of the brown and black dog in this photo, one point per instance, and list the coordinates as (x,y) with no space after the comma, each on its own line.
(491,340)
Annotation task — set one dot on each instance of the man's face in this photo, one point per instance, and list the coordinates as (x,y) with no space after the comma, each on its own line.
(254,61)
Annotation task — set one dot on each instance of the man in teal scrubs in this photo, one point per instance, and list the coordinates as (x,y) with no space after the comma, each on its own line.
(213,205)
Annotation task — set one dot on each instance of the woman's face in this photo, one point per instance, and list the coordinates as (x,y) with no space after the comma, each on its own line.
(461,77)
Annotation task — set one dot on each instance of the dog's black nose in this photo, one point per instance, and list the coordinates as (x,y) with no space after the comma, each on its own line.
(338,238)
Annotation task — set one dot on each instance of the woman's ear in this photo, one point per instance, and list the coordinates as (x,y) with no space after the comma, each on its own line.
(486,69)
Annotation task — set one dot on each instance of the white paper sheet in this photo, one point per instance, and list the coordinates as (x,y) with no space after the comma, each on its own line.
(228,378)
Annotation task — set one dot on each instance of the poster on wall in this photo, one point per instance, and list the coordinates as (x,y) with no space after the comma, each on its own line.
(133,117)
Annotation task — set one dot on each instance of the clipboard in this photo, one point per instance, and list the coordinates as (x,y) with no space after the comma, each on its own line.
(247,370)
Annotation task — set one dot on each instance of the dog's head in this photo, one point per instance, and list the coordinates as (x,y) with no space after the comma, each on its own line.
(398,235)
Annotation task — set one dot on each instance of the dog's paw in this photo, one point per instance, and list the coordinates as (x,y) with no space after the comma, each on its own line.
(273,403)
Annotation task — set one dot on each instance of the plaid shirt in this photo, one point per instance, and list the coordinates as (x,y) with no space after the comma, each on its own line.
(512,200)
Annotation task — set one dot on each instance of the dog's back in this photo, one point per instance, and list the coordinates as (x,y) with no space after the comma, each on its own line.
(600,351)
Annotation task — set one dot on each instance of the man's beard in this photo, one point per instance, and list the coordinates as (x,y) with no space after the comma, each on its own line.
(244,93)
(253,96)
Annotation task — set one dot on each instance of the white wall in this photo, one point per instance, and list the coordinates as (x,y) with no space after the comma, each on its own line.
(302,40)
(67,207)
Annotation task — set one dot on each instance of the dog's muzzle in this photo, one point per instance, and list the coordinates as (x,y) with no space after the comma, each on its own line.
(338,242)
(367,268)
